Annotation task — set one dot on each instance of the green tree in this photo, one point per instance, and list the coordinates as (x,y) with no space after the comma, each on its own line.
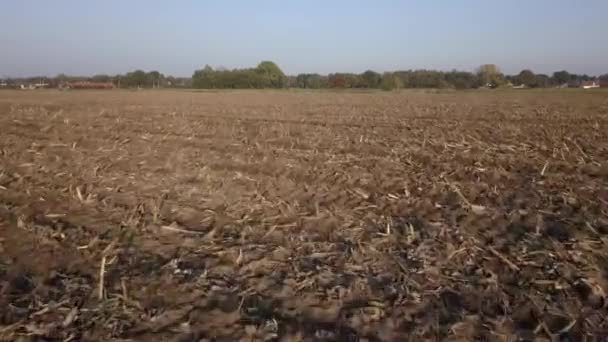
(204,78)
(561,77)
(390,81)
(353,81)
(461,79)
(490,75)
(154,78)
(371,79)
(527,78)
(404,78)
(101,78)
(137,78)
(314,81)
(311,81)
(272,74)
(426,79)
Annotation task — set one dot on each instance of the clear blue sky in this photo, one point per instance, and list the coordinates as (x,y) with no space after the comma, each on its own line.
(83,37)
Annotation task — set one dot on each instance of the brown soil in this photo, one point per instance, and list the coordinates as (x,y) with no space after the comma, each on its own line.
(294,216)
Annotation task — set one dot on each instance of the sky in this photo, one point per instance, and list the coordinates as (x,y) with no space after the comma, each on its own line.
(86,37)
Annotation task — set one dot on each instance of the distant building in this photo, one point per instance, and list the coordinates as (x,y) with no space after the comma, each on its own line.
(590,84)
(32,86)
(604,82)
(89,85)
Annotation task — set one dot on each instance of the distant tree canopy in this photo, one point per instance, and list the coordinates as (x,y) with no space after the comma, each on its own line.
(311,81)
(390,81)
(561,77)
(405,79)
(462,79)
(543,81)
(102,78)
(527,78)
(371,79)
(266,75)
(490,75)
(272,75)
(141,79)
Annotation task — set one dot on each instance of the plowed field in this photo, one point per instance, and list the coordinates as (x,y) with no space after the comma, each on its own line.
(303,216)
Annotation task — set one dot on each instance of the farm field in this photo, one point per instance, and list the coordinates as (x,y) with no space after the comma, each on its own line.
(303,216)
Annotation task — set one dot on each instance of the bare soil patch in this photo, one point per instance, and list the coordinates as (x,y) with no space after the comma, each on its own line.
(297,216)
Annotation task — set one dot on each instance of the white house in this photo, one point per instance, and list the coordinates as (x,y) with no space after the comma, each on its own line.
(590,84)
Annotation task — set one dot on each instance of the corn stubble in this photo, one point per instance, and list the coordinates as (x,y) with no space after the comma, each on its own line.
(295,216)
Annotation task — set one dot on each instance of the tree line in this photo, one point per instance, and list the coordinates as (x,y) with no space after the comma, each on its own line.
(142,79)
(265,75)
(268,74)
(134,79)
